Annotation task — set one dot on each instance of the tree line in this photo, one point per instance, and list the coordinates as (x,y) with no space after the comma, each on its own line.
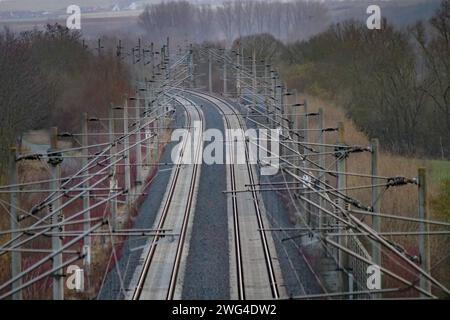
(48,78)
(394,83)
(288,21)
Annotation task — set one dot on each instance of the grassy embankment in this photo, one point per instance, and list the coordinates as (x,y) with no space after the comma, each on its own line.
(402,200)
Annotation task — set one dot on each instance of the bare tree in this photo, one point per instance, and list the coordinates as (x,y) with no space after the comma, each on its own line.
(24,92)
(288,21)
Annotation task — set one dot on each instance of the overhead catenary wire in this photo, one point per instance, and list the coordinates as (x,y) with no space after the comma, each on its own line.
(167,90)
(393,182)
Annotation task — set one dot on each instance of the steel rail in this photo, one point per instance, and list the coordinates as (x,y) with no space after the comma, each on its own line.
(187,214)
(268,259)
(149,257)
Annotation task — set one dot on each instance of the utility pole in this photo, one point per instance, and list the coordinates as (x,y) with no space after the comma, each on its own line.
(191,65)
(138,148)
(242,59)
(84,163)
(294,121)
(16,256)
(112,170)
(86,195)
(322,216)
(266,75)
(281,102)
(305,134)
(254,83)
(99,46)
(157,130)
(282,117)
(224,75)
(274,98)
(266,83)
(139,59)
(118,49)
(376,205)
(55,160)
(126,144)
(148,149)
(168,57)
(152,55)
(341,186)
(376,254)
(424,245)
(164,62)
(161,57)
(284,94)
(238,75)
(210,72)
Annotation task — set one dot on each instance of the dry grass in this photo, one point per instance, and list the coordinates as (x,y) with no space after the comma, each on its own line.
(403,200)
(101,246)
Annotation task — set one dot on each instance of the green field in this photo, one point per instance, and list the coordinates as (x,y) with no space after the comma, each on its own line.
(439,170)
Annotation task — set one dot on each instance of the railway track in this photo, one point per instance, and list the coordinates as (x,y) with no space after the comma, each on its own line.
(227,111)
(237,243)
(137,294)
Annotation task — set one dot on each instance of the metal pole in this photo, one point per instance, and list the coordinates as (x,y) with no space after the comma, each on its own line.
(238,75)
(119,49)
(158,124)
(84,163)
(376,253)
(113,184)
(166,63)
(225,76)
(147,108)
(266,104)
(138,148)
(152,55)
(341,185)
(266,75)
(139,50)
(16,256)
(55,170)
(350,286)
(191,65)
(254,83)
(161,59)
(99,46)
(168,57)
(210,72)
(322,216)
(305,126)
(295,146)
(126,143)
(424,245)
(85,185)
(284,110)
(306,152)
(274,97)
(282,117)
